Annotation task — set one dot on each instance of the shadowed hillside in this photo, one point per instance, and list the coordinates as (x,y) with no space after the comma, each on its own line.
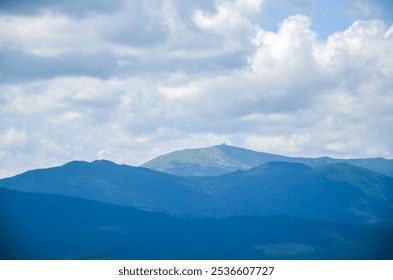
(58,227)
(337,192)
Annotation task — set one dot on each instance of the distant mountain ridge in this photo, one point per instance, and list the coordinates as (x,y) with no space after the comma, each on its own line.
(336,192)
(280,209)
(221,159)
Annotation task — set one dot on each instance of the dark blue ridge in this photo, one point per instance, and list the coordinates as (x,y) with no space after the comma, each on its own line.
(278,210)
(42,226)
(335,192)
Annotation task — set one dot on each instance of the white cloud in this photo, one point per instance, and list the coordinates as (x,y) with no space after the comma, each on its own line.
(330,90)
(47,34)
(13,139)
(142,37)
(292,92)
(142,32)
(101,154)
(231,19)
(278,144)
(350,148)
(53,34)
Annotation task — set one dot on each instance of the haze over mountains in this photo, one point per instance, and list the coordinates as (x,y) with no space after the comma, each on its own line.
(327,207)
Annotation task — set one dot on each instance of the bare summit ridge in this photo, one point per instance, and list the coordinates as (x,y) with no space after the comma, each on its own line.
(221,159)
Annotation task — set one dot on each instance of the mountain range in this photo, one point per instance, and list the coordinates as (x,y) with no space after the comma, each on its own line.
(282,209)
(221,159)
(335,192)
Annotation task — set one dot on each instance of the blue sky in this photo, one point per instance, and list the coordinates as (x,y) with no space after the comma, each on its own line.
(327,16)
(128,80)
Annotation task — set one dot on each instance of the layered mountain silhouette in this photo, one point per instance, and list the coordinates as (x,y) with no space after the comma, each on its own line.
(280,209)
(42,226)
(223,158)
(335,192)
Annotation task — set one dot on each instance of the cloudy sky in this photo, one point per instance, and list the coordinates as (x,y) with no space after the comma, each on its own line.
(128,80)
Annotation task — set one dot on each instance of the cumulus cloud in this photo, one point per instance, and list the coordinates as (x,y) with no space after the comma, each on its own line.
(298,83)
(143,36)
(47,34)
(168,75)
(232,18)
(54,34)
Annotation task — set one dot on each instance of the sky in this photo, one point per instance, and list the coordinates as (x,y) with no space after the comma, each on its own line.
(128,80)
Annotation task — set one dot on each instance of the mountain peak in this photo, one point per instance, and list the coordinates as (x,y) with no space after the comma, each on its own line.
(214,160)
(224,158)
(104,162)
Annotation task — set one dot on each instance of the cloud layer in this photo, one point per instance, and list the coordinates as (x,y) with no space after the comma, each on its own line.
(136,79)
